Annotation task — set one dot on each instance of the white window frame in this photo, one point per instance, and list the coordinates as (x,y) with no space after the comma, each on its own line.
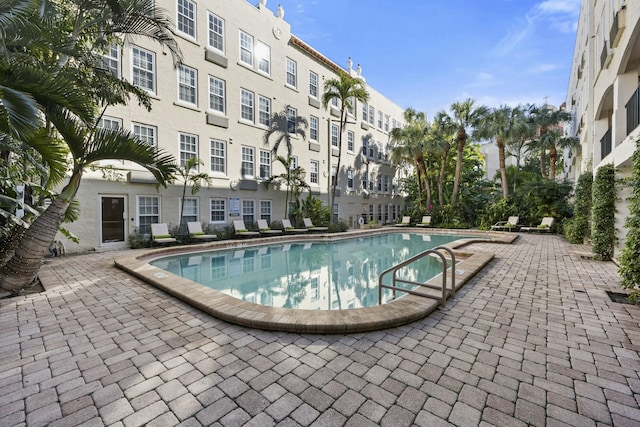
(145,133)
(187,85)
(109,122)
(314,172)
(143,69)
(188,147)
(265,164)
(248,214)
(335,131)
(186,24)
(313,84)
(224,210)
(380,115)
(314,125)
(386,123)
(218,156)
(372,113)
(266,210)
(156,209)
(350,184)
(264,110)
(263,58)
(248,162)
(247,105)
(246,47)
(217,94)
(292,120)
(216,32)
(351,139)
(292,73)
(293,162)
(195,215)
(365,112)
(112,60)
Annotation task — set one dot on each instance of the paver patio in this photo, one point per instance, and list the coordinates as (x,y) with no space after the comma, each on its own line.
(532,340)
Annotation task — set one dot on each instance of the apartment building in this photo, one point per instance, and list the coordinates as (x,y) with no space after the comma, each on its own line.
(604,94)
(241,64)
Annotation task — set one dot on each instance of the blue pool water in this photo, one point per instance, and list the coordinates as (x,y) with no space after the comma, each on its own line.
(334,275)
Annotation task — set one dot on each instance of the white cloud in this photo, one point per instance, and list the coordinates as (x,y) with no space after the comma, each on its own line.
(570,7)
(542,68)
(514,37)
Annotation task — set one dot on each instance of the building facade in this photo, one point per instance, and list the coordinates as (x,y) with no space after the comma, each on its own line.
(604,94)
(241,64)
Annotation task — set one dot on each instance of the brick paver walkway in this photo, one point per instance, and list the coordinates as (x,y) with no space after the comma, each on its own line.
(532,340)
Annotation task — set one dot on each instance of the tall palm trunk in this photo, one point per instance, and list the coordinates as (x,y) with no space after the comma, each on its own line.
(543,162)
(461,138)
(22,268)
(503,168)
(553,155)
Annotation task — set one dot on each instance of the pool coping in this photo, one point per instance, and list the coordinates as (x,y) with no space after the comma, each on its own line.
(399,312)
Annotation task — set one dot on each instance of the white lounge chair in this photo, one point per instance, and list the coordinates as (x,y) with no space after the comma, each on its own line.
(508,225)
(406,221)
(544,227)
(195,232)
(263,228)
(160,234)
(309,226)
(426,221)
(288,228)
(242,231)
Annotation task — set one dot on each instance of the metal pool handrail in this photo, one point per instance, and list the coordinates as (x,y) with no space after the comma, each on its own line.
(411,260)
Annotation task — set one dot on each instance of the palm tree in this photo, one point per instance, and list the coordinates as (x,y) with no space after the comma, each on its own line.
(284,126)
(190,177)
(548,120)
(443,134)
(292,178)
(347,91)
(465,115)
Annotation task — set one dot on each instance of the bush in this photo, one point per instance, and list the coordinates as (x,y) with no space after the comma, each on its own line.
(138,240)
(577,229)
(629,266)
(604,210)
(338,226)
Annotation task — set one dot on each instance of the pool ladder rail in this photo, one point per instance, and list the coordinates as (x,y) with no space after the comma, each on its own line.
(396,280)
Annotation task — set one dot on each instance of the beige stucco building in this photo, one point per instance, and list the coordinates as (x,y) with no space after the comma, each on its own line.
(603,93)
(241,64)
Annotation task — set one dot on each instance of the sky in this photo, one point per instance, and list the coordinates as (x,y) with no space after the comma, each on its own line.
(427,54)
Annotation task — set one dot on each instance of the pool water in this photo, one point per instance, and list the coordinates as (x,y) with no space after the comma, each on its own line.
(336,275)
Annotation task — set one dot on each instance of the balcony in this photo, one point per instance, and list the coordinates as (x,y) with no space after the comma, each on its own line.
(605,56)
(633,111)
(616,28)
(605,144)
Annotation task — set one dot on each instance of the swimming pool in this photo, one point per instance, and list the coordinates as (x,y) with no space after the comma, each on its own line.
(334,275)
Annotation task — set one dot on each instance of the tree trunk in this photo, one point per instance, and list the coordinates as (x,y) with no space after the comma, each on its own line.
(443,168)
(553,155)
(543,163)
(456,181)
(503,169)
(424,181)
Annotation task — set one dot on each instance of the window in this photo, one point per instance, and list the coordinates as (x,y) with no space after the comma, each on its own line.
(190,211)
(365,146)
(386,184)
(365,110)
(188,148)
(371,211)
(145,133)
(380,214)
(380,151)
(314,169)
(315,289)
(350,179)
(365,180)
(246,48)
(218,210)
(248,212)
(187,84)
(218,156)
(187,18)
(107,122)
(247,161)
(350,140)
(216,94)
(264,110)
(379,183)
(334,171)
(263,55)
(334,135)
(143,69)
(111,60)
(372,149)
(246,105)
(313,84)
(313,128)
(386,123)
(394,124)
(216,32)
(265,164)
(148,213)
(291,72)
(265,210)
(218,267)
(371,186)
(334,103)
(379,119)
(371,114)
(292,119)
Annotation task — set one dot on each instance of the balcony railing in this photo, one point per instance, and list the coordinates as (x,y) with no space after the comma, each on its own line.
(605,145)
(633,111)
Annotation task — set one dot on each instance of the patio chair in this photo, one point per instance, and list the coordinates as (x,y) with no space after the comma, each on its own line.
(263,228)
(195,232)
(288,228)
(508,225)
(544,227)
(160,234)
(309,226)
(406,221)
(426,221)
(242,231)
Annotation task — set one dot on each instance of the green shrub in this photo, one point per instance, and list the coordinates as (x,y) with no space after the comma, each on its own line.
(603,213)
(629,266)
(577,229)
(138,240)
(338,226)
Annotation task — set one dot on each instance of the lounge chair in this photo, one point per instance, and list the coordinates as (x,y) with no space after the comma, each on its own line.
(242,231)
(426,221)
(406,221)
(508,225)
(263,228)
(160,234)
(544,227)
(309,226)
(195,232)
(288,228)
